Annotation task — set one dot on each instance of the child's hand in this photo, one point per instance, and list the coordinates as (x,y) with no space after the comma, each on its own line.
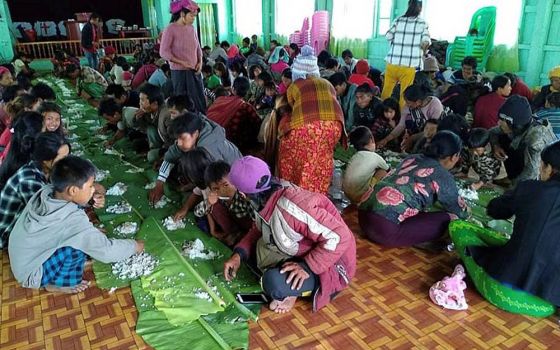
(213,198)
(477,185)
(180,214)
(99,196)
(139,246)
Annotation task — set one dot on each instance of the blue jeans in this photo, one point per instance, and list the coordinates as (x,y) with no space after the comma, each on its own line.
(92,59)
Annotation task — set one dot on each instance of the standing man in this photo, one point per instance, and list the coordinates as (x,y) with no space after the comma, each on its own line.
(180,47)
(90,40)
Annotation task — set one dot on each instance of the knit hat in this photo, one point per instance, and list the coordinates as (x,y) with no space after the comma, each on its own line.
(516,111)
(431,64)
(250,175)
(305,64)
(554,72)
(178,5)
(362,67)
(127,78)
(109,50)
(4,70)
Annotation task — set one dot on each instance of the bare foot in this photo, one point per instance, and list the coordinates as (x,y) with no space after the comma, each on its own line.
(283,306)
(68,290)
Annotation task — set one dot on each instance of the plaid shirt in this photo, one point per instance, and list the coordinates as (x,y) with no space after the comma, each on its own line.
(16,193)
(486,166)
(406,36)
(312,99)
(238,206)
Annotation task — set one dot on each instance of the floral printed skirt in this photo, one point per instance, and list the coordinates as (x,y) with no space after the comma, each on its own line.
(306,155)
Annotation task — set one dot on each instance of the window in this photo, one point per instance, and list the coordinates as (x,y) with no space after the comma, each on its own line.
(290,15)
(248,17)
(450,18)
(383,16)
(353,18)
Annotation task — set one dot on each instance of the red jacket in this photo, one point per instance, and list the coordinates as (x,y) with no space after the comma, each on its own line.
(307,225)
(522,89)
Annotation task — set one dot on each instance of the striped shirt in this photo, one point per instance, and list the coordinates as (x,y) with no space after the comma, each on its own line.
(406,36)
(16,193)
(553,117)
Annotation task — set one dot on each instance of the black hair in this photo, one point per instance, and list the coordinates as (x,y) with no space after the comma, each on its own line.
(275,42)
(265,76)
(187,123)
(414,8)
(252,70)
(216,171)
(94,15)
(553,99)
(43,91)
(391,103)
(478,137)
(24,82)
(347,53)
(444,144)
(500,81)
(207,69)
(71,68)
(226,81)
(29,100)
(331,63)
(10,93)
(206,47)
(71,171)
(246,40)
(512,78)
(109,106)
(47,145)
(115,90)
(365,88)
(287,73)
(323,57)
(239,68)
(224,43)
(26,128)
(551,156)
(470,61)
(175,16)
(337,79)
(179,102)
(153,93)
(221,91)
(241,86)
(360,137)
(270,85)
(193,164)
(48,106)
(457,124)
(294,46)
(417,92)
(122,62)
(254,36)
(433,122)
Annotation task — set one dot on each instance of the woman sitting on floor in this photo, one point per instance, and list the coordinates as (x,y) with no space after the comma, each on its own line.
(529,260)
(299,240)
(396,213)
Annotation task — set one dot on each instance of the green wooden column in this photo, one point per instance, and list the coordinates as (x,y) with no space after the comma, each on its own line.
(268,15)
(6,49)
(538,40)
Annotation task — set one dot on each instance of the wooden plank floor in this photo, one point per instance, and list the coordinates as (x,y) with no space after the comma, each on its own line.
(386,307)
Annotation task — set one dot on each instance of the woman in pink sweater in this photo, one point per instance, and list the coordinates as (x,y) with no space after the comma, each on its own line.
(180,47)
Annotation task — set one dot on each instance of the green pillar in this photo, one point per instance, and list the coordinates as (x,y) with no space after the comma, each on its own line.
(538,42)
(268,14)
(6,49)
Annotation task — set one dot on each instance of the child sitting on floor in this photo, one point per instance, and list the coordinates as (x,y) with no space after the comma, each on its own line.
(388,117)
(430,130)
(52,120)
(267,102)
(211,80)
(255,90)
(366,106)
(481,158)
(52,236)
(365,168)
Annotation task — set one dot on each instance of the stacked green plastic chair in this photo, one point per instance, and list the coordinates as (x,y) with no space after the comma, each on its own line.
(478,45)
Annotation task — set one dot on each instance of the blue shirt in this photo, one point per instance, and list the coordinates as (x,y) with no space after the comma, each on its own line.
(553,117)
(158,78)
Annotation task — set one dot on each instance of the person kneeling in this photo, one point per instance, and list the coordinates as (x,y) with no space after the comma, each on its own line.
(50,240)
(302,245)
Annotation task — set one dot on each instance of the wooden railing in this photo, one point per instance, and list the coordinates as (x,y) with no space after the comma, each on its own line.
(46,49)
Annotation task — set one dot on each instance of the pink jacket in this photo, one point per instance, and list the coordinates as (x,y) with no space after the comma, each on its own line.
(307,225)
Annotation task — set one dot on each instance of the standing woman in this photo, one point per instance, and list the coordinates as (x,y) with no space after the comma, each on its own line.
(309,135)
(408,39)
(180,46)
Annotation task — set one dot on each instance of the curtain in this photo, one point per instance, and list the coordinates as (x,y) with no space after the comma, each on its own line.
(207,22)
(357,46)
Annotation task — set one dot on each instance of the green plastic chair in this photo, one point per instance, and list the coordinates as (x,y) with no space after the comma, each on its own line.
(479,46)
